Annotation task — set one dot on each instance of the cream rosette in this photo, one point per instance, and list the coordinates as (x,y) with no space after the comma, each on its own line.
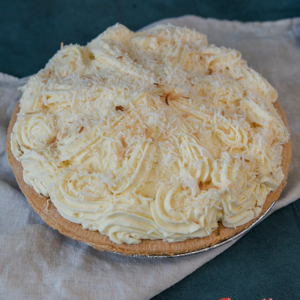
(157,39)
(239,201)
(150,135)
(38,171)
(86,198)
(231,134)
(77,146)
(71,59)
(173,212)
(33,132)
(134,171)
(79,193)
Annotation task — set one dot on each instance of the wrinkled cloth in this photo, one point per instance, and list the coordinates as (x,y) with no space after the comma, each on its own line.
(37,262)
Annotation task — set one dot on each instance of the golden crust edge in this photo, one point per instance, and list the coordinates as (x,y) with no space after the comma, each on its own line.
(51,216)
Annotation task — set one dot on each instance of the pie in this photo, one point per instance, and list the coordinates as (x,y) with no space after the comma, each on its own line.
(149,143)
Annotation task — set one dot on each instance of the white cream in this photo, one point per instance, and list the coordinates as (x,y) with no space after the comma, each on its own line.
(150,135)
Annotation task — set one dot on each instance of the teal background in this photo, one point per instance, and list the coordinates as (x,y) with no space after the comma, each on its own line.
(263,264)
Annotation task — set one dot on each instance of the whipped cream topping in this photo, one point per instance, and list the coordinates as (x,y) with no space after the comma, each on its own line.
(150,135)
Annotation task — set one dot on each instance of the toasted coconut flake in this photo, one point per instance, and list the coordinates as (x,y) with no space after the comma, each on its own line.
(203,186)
(147,133)
(149,128)
(81,129)
(124,144)
(53,140)
(245,159)
(31,112)
(212,187)
(171,96)
(197,135)
(123,148)
(119,107)
(26,147)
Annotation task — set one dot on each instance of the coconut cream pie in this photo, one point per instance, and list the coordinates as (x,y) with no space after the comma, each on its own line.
(153,142)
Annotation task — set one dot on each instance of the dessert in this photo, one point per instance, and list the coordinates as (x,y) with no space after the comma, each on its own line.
(149,142)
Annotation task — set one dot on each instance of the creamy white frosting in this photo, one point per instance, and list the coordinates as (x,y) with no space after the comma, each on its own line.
(150,135)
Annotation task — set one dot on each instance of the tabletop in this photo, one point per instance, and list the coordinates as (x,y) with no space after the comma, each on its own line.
(265,263)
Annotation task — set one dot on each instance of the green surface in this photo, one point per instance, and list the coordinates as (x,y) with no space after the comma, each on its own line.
(263,264)
(31,30)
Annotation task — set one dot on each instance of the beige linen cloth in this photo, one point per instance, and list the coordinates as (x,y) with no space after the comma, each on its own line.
(36,262)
